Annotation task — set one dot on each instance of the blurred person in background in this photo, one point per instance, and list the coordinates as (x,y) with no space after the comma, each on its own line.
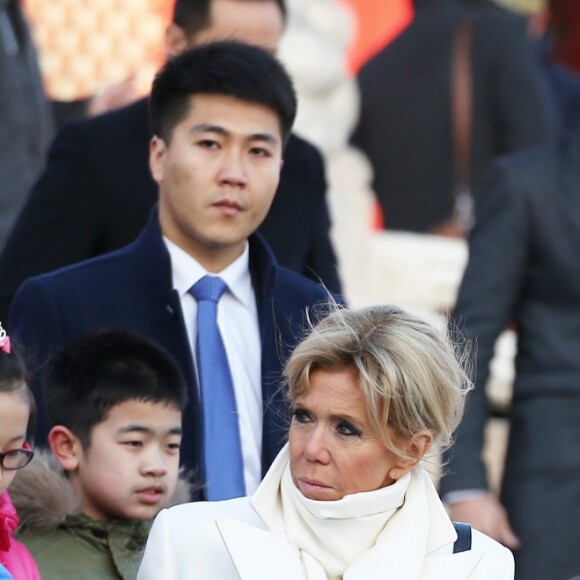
(556,29)
(564,22)
(25,116)
(405,125)
(523,270)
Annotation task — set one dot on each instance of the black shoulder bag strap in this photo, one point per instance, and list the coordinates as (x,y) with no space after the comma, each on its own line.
(463,543)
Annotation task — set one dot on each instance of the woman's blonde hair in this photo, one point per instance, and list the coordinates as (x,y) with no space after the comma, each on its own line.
(410,375)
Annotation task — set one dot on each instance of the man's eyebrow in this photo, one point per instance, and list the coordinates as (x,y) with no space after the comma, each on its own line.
(209,128)
(219,130)
(268,137)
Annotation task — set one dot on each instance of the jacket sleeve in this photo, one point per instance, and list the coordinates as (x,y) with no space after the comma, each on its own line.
(59,224)
(158,558)
(486,304)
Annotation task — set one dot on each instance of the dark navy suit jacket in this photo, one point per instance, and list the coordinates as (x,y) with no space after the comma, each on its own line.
(132,289)
(96,194)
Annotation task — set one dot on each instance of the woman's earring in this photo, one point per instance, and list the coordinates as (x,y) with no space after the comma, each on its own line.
(394,474)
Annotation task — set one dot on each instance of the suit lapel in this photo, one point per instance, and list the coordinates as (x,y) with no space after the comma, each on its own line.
(164,313)
(163,322)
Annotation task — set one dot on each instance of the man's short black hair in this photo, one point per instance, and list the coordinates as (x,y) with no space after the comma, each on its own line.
(231,69)
(193,16)
(106,368)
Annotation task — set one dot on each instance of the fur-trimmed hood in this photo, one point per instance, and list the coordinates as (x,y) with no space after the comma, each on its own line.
(44,496)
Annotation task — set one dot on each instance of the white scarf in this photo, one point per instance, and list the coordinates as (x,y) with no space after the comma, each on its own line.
(331,535)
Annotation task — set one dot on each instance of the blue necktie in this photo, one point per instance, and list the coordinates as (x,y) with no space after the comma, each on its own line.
(222,450)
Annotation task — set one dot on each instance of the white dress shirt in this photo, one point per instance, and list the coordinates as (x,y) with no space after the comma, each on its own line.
(237,319)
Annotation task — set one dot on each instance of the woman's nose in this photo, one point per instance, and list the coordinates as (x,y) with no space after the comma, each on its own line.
(317,448)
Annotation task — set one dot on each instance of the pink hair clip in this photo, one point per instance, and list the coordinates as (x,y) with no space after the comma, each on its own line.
(4,340)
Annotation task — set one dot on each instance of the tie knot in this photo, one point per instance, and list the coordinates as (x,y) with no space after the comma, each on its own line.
(208,288)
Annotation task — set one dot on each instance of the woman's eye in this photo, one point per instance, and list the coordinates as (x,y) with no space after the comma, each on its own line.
(347,429)
(134,443)
(300,416)
(174,446)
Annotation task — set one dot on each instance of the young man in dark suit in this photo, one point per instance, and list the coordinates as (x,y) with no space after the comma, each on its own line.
(221,115)
(96,191)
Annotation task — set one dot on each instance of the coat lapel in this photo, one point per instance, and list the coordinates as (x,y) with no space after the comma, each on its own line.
(455,566)
(164,324)
(259,554)
(449,566)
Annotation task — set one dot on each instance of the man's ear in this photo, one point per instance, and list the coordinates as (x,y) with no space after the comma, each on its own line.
(157,149)
(415,448)
(175,40)
(65,446)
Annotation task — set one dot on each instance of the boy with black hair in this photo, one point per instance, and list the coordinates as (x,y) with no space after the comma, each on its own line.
(114,403)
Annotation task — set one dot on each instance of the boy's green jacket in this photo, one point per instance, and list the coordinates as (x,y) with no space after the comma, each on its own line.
(67,544)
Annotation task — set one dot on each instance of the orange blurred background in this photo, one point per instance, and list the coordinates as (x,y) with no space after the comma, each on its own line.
(84,47)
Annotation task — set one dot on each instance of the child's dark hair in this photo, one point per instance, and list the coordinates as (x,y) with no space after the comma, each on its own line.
(230,69)
(14,378)
(106,368)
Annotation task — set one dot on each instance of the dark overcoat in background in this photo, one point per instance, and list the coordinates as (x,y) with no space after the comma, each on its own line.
(524,268)
(405,120)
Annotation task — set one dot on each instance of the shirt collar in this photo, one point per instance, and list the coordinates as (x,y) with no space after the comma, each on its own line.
(186,271)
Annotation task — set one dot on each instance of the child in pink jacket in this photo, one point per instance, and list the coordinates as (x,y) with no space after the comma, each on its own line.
(16,408)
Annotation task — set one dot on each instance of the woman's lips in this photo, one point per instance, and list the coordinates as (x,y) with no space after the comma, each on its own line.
(312,486)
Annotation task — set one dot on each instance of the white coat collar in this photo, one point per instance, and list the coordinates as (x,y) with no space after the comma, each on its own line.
(264,554)
(259,554)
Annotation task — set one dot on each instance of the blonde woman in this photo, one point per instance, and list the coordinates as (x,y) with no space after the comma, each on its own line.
(372,390)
